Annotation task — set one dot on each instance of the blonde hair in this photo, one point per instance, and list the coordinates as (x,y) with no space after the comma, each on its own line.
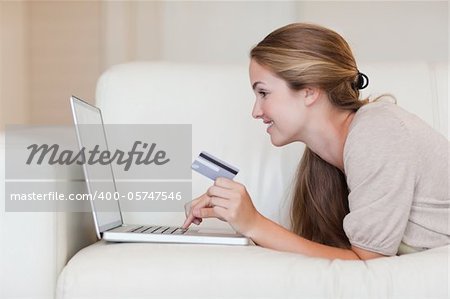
(311,55)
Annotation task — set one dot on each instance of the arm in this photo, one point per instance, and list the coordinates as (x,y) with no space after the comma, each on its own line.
(382,171)
(229,201)
(267,233)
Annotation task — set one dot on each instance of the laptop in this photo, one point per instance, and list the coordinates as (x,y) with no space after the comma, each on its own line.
(108,218)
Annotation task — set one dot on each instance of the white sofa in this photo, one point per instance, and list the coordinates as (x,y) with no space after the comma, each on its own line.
(34,247)
(217,100)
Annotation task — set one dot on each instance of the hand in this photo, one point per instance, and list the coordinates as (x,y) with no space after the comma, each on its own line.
(198,203)
(188,209)
(228,201)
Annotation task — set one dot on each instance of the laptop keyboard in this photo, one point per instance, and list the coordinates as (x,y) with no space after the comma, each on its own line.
(166,230)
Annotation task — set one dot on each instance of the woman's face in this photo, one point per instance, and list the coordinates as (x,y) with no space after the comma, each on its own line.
(277,105)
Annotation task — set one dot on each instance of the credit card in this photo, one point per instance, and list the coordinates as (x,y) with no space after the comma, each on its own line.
(212,167)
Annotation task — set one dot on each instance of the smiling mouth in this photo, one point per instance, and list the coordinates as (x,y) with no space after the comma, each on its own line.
(269,123)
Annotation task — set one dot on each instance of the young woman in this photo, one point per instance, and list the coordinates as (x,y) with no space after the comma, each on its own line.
(372,176)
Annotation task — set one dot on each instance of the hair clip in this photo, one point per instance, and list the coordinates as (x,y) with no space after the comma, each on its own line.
(362,81)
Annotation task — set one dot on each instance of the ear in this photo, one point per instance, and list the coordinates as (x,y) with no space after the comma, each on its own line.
(311,94)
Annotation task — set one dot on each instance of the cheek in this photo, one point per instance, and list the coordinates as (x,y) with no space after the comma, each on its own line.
(271,109)
(282,110)
(289,120)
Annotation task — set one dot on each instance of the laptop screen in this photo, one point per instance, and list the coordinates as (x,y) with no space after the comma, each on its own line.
(99,178)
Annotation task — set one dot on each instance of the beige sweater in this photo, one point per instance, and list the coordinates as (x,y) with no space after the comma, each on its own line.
(397,172)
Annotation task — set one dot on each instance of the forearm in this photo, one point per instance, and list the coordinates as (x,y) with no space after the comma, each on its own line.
(267,233)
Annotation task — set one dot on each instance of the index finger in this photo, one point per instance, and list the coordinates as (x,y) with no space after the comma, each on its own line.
(188,220)
(203,201)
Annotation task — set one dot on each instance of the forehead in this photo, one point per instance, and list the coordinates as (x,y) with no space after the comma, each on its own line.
(257,69)
(260,73)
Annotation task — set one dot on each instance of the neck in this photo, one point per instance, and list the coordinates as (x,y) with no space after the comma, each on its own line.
(333,131)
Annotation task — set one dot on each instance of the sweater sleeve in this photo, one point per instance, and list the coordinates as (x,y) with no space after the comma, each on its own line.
(380,168)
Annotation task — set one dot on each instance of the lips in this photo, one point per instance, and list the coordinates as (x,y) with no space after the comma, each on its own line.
(269,123)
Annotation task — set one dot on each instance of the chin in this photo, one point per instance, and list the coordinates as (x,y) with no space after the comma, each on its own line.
(279,143)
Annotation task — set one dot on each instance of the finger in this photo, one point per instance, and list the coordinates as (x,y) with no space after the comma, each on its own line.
(220,202)
(214,212)
(199,199)
(188,221)
(224,183)
(187,208)
(221,213)
(205,213)
(202,201)
(219,192)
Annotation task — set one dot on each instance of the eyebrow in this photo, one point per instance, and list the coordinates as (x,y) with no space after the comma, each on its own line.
(255,84)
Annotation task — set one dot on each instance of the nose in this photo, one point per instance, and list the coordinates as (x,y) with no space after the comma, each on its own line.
(257,111)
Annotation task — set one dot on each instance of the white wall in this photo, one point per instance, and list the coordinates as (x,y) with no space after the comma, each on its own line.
(14,59)
(65,53)
(224,31)
(50,49)
(387,30)
(219,32)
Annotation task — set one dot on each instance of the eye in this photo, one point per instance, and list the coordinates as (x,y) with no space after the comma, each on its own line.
(262,93)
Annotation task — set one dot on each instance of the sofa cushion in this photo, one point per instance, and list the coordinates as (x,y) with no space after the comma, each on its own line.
(136,270)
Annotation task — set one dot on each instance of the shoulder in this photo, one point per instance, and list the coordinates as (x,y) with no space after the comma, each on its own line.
(376,117)
(377,122)
(379,133)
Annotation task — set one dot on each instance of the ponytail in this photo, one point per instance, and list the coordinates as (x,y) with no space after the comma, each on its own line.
(320,202)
